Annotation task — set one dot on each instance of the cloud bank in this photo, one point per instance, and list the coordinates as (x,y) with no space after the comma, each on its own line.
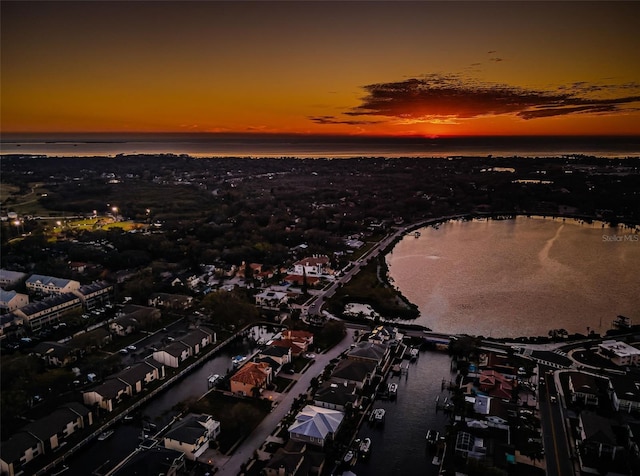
(438,98)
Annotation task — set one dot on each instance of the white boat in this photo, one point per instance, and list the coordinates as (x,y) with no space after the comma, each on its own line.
(238,359)
(365,446)
(213,379)
(377,416)
(104,435)
(393,390)
(349,457)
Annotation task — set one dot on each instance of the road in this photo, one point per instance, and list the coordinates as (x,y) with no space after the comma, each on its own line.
(559,462)
(231,466)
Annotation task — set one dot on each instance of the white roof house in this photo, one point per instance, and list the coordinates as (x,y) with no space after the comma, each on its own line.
(315,424)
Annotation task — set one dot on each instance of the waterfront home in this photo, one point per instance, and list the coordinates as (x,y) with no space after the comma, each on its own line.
(197,339)
(108,394)
(303,337)
(619,353)
(625,393)
(315,425)
(42,436)
(156,460)
(295,348)
(295,458)
(587,389)
(277,353)
(140,375)
(384,334)
(45,285)
(173,354)
(493,383)
(336,396)
(251,378)
(192,435)
(356,372)
(11,300)
(369,352)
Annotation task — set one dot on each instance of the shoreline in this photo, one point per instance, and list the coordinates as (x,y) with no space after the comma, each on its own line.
(409,323)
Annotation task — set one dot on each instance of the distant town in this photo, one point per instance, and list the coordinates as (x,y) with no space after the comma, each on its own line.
(122,277)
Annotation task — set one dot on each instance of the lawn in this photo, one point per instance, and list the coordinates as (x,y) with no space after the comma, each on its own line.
(238,416)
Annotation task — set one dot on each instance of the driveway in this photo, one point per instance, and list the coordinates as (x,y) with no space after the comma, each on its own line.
(231,466)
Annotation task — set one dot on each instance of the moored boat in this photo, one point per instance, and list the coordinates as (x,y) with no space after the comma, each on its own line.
(377,416)
(365,446)
(104,435)
(393,390)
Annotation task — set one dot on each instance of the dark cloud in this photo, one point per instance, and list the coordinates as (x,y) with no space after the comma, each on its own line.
(335,120)
(497,60)
(452,97)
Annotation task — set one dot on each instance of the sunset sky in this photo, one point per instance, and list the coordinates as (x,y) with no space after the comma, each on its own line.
(326,67)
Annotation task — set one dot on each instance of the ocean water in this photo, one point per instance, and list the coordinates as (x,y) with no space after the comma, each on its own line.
(216,145)
(519,277)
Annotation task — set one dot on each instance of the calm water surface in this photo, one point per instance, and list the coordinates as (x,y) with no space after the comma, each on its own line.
(520,277)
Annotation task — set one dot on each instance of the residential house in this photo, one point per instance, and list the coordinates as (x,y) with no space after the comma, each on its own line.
(157,460)
(124,325)
(597,439)
(625,393)
(192,435)
(42,436)
(277,353)
(173,354)
(49,310)
(356,372)
(619,353)
(140,375)
(295,458)
(369,352)
(170,301)
(142,314)
(108,394)
(55,354)
(10,323)
(18,451)
(471,446)
(298,336)
(251,377)
(45,285)
(271,299)
(91,340)
(312,266)
(494,384)
(11,300)
(586,388)
(54,428)
(9,279)
(95,295)
(336,396)
(316,425)
(299,280)
(197,339)
(296,348)
(384,334)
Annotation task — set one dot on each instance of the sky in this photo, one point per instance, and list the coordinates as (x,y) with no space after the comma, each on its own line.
(398,68)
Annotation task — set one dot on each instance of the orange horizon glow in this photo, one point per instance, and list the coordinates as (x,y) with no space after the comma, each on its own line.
(380,69)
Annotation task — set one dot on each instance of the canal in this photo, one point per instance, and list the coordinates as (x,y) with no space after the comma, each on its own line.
(98,457)
(399,446)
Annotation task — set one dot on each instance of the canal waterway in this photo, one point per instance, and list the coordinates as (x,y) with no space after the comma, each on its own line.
(101,456)
(399,446)
(519,277)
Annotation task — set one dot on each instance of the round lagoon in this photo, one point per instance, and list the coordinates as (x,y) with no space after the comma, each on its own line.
(519,277)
